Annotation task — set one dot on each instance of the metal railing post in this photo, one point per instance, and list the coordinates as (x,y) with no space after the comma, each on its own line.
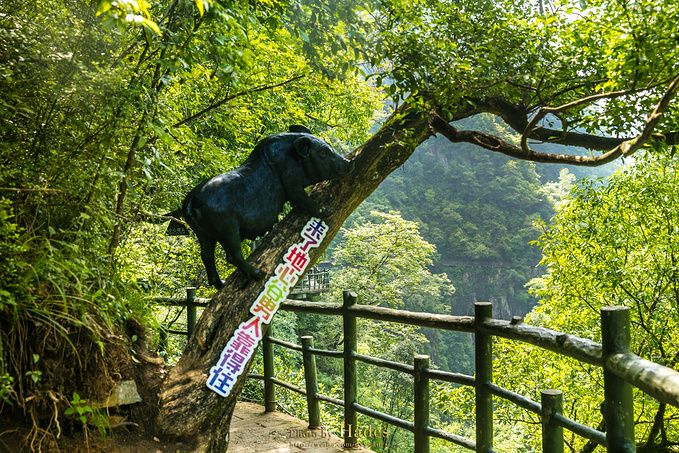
(269,373)
(350,377)
(421,390)
(483,353)
(190,310)
(618,405)
(312,401)
(552,434)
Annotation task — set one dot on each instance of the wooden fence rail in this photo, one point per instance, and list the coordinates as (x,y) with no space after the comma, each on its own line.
(315,281)
(622,371)
(191,303)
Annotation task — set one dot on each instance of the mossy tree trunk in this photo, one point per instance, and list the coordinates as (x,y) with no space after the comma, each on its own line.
(188,408)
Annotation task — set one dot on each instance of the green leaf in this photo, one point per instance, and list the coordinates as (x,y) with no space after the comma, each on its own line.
(199,4)
(151,25)
(104,7)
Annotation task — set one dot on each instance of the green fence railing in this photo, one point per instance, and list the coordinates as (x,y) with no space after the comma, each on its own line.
(622,370)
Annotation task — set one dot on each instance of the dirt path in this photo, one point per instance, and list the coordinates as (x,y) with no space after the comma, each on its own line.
(253,430)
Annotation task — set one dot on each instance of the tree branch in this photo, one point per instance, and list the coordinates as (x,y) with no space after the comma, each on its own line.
(544,111)
(495,144)
(515,116)
(658,423)
(158,219)
(19,189)
(510,113)
(229,98)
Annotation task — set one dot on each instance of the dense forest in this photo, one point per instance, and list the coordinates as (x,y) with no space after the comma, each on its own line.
(482,233)
(111,111)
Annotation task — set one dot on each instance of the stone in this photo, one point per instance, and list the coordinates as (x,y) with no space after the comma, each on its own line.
(124,392)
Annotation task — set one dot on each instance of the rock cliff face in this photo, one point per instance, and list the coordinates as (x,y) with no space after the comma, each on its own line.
(500,283)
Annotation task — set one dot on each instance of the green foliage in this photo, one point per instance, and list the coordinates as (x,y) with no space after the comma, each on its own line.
(6,389)
(85,413)
(35,375)
(122,12)
(609,244)
(478,209)
(79,409)
(386,262)
(11,249)
(460,53)
(110,112)
(6,380)
(55,143)
(615,244)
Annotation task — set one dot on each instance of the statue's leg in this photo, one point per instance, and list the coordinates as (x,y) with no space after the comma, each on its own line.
(207,254)
(231,245)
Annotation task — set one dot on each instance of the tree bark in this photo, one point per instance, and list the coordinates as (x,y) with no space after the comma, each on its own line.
(188,407)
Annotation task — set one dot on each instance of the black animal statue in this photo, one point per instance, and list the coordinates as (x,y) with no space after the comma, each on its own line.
(244,203)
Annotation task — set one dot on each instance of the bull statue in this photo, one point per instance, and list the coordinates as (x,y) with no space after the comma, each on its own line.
(244,203)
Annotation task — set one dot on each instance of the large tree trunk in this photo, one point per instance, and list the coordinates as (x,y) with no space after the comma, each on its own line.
(187,406)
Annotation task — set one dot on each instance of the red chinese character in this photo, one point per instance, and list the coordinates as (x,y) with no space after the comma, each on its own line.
(242,342)
(297,259)
(253,324)
(264,305)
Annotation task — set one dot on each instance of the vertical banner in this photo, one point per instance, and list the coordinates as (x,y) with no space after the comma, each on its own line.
(245,340)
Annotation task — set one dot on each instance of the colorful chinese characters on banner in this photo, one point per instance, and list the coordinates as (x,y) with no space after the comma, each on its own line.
(244,342)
